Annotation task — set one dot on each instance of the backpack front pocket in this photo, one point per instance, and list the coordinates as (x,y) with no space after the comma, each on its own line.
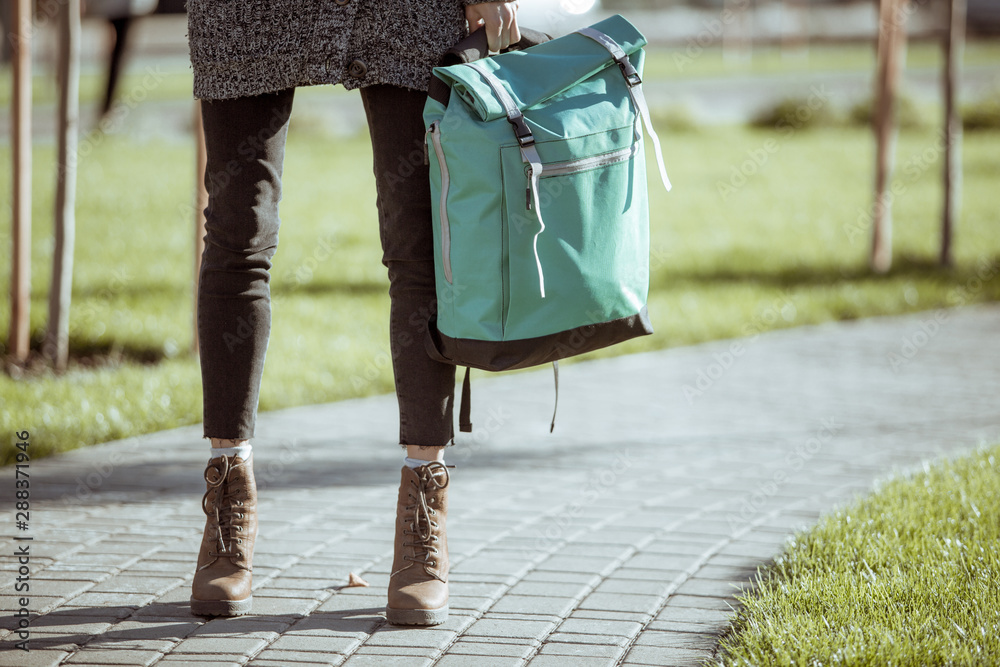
(585,243)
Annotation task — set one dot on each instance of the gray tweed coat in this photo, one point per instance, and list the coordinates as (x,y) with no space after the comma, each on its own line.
(248,47)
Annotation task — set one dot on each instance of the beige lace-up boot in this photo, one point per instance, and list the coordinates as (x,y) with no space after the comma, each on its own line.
(418,586)
(222,580)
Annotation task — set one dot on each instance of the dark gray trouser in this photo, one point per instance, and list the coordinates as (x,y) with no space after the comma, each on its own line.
(245,141)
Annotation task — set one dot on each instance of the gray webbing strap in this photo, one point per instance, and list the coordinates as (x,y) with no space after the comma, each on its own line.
(633,81)
(526,142)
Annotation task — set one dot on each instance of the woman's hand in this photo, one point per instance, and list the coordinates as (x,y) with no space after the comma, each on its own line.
(499,20)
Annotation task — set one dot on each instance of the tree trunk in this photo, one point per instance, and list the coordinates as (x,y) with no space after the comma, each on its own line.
(891,52)
(57,335)
(954,44)
(20,279)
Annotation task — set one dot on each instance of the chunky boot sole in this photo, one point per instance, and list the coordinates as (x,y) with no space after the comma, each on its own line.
(416,616)
(221,607)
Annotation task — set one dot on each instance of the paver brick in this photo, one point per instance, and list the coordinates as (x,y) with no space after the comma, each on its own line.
(600,565)
(282,606)
(224,645)
(324,644)
(596,626)
(87,656)
(586,638)
(287,658)
(411,637)
(344,602)
(702,602)
(476,646)
(186,661)
(533,604)
(455,660)
(687,640)
(260,626)
(644,604)
(149,585)
(108,599)
(495,627)
(658,655)
(585,650)
(380,660)
(466,603)
(32,658)
(583,579)
(546,588)
(609,615)
(567,661)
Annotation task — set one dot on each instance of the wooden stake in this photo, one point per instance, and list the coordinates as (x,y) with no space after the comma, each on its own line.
(954,45)
(891,53)
(20,283)
(201,202)
(56,345)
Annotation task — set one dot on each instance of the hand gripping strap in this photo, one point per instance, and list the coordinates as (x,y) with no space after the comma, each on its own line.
(633,81)
(529,154)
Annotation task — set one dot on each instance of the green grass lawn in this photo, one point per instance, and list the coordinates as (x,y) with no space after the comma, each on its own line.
(907,576)
(786,247)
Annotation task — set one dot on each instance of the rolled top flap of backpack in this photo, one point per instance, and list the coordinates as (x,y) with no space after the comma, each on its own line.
(545,70)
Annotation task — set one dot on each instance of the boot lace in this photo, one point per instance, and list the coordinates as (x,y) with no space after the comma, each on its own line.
(433,475)
(222,504)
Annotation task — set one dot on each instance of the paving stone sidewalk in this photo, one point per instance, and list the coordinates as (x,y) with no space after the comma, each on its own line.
(619,539)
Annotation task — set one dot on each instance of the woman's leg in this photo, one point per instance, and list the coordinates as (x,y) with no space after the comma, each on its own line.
(245,141)
(418,587)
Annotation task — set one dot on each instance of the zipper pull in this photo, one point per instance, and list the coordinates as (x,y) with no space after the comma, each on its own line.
(430,130)
(527,190)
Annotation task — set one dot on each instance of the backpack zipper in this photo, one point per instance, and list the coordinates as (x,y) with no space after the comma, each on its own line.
(583,164)
(435,134)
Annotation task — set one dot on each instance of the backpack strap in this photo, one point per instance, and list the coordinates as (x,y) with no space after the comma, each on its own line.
(555,375)
(633,81)
(465,409)
(526,142)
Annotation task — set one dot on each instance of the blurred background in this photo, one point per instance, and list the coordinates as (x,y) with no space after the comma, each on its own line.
(764,110)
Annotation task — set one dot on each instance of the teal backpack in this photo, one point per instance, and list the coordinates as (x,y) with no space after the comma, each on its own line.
(540,208)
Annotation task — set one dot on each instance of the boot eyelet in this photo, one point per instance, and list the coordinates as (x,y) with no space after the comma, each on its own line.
(239,541)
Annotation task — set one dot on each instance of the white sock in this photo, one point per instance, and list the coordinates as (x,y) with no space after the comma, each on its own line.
(242,451)
(415,463)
